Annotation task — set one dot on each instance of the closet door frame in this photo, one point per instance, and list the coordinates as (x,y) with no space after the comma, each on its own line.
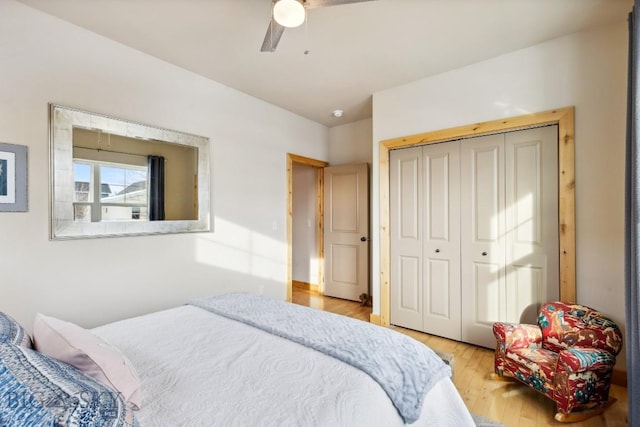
(564,118)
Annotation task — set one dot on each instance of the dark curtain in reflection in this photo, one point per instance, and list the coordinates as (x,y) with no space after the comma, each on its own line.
(156,188)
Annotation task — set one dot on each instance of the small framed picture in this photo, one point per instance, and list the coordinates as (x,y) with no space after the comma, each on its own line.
(13,178)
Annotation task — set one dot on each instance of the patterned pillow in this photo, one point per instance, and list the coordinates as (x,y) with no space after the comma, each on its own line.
(37,390)
(11,332)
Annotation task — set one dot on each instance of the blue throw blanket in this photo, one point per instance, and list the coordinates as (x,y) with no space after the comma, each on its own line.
(405,368)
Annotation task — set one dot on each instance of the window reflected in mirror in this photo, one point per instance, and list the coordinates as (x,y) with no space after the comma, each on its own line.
(118,168)
(123,191)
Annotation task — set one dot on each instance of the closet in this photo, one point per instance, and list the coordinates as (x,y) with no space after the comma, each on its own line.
(474,233)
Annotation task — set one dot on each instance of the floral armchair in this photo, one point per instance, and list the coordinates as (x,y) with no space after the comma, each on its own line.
(568,356)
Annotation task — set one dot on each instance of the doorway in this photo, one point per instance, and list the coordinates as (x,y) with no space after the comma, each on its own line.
(296,161)
(346,234)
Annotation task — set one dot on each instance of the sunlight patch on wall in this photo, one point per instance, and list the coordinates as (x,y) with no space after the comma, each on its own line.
(508,279)
(234,247)
(510,110)
(314,269)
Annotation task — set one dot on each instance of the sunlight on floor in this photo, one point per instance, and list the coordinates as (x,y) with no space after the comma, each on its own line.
(511,404)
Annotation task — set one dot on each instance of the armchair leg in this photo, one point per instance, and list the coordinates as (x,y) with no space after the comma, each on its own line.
(582,414)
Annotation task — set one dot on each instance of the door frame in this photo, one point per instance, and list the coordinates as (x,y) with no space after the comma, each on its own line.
(564,118)
(319,165)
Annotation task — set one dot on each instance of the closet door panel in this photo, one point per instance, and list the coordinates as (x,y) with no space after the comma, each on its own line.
(484,186)
(523,292)
(409,277)
(487,292)
(405,170)
(482,237)
(441,250)
(438,298)
(531,221)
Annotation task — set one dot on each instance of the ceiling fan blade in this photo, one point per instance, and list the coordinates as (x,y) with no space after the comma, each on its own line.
(314,4)
(272,38)
(275,30)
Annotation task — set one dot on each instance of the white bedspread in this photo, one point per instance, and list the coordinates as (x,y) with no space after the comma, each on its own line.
(200,369)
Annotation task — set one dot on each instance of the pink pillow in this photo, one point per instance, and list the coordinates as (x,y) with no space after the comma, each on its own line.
(98,359)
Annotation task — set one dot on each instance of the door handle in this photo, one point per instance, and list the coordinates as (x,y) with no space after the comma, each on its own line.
(363,239)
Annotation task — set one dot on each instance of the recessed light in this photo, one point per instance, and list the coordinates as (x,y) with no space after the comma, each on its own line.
(337,113)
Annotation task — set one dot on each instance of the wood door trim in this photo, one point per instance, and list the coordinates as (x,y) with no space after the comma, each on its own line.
(319,165)
(564,118)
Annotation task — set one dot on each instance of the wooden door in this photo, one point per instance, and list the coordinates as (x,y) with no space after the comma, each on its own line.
(346,232)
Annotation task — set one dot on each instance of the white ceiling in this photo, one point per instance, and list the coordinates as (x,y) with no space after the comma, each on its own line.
(355,50)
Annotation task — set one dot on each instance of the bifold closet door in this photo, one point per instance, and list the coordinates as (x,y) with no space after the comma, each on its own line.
(509,229)
(441,239)
(474,233)
(482,233)
(405,217)
(425,239)
(533,255)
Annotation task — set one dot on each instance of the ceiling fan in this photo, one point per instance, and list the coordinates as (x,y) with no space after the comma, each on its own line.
(290,14)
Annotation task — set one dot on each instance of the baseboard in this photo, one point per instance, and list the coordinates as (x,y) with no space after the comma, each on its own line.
(375,319)
(304,285)
(619,377)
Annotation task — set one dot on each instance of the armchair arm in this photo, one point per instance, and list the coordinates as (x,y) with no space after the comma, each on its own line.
(582,359)
(513,335)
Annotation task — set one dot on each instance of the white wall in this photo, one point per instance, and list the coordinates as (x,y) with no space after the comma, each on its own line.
(90,282)
(351,143)
(305,262)
(586,70)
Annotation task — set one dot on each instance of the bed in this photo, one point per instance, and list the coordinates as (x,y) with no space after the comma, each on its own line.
(211,363)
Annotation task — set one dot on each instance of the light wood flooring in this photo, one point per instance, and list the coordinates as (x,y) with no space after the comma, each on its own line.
(509,403)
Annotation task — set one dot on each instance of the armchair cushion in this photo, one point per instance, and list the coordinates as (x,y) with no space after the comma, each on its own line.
(585,359)
(534,367)
(512,335)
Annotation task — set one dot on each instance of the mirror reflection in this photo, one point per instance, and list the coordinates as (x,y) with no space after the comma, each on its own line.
(112,177)
(117,178)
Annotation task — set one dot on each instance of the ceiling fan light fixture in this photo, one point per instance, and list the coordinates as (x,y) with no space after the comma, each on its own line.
(289,13)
